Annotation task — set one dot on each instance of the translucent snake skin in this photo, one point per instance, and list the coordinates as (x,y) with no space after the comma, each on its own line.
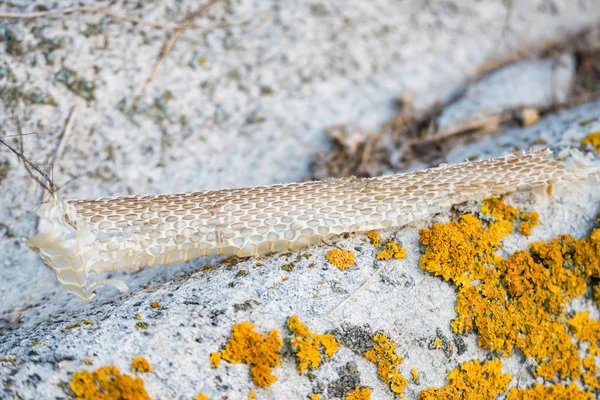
(79,237)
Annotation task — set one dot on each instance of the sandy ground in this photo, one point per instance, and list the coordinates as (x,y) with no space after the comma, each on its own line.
(243,105)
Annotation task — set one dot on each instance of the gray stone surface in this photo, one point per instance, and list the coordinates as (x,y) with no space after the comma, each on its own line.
(253,113)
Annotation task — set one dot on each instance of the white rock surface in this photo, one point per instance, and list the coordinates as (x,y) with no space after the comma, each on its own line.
(253,113)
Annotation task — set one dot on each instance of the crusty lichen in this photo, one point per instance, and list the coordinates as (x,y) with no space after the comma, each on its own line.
(202,397)
(250,347)
(308,346)
(593,139)
(471,380)
(499,210)
(519,301)
(415,375)
(343,259)
(78,324)
(383,354)
(528,222)
(391,249)
(375,238)
(543,392)
(140,364)
(107,383)
(359,393)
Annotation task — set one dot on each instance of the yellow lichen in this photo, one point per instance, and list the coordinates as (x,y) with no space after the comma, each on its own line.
(343,259)
(78,324)
(500,211)
(138,316)
(528,222)
(542,392)
(593,139)
(438,343)
(597,294)
(215,359)
(308,346)
(251,395)
(471,380)
(140,364)
(375,238)
(250,347)
(315,397)
(87,361)
(383,354)
(586,330)
(155,304)
(107,383)
(590,377)
(359,394)
(415,375)
(391,249)
(519,301)
(202,397)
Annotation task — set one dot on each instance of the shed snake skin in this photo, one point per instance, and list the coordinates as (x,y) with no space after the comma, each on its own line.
(79,237)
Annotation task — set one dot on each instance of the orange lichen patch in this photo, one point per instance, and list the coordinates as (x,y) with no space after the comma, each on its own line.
(461,251)
(471,380)
(590,377)
(308,346)
(438,343)
(383,354)
(521,301)
(202,397)
(315,397)
(251,395)
(140,364)
(343,259)
(215,359)
(155,304)
(597,294)
(138,316)
(542,392)
(107,383)
(250,347)
(586,330)
(593,139)
(391,249)
(500,211)
(528,222)
(359,394)
(78,324)
(375,238)
(415,375)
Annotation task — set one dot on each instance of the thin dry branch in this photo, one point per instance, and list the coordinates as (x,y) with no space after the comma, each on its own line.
(92,10)
(497,120)
(166,49)
(50,187)
(62,141)
(108,13)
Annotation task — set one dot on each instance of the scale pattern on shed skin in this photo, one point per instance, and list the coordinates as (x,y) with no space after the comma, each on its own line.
(77,237)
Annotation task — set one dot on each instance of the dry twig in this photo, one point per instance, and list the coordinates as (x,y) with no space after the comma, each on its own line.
(62,141)
(93,10)
(173,38)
